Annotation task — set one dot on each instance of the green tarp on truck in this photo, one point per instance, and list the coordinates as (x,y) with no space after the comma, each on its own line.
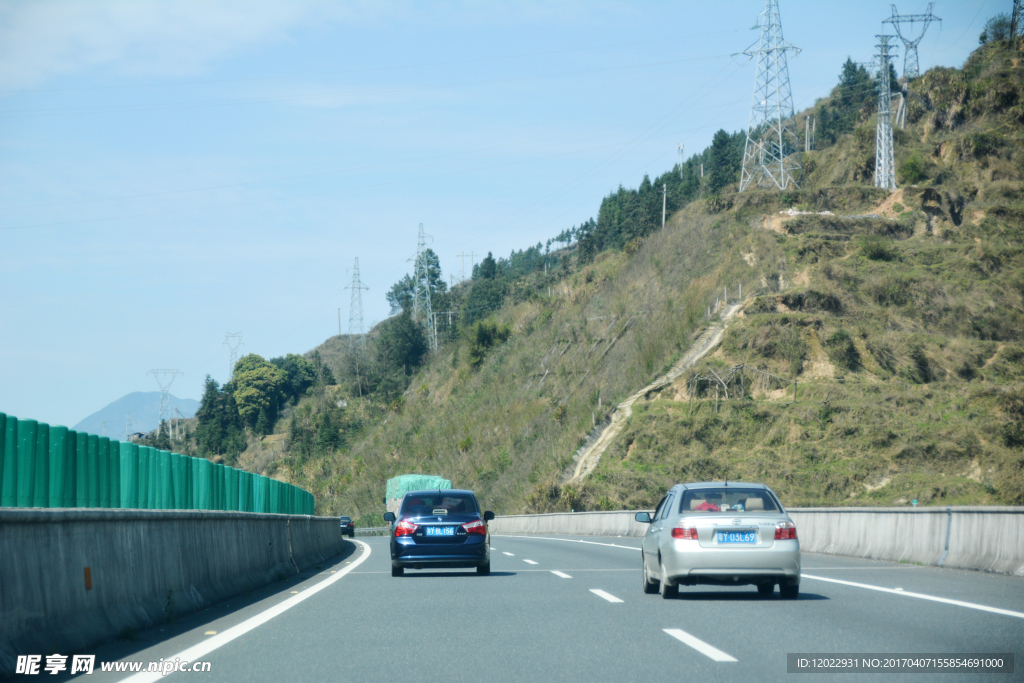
(398,486)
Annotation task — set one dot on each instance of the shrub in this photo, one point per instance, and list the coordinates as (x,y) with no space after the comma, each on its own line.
(843,351)
(878,249)
(912,171)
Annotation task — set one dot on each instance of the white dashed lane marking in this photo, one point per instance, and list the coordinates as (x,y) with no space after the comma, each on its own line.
(529,562)
(557,573)
(607,596)
(699,645)
(509,554)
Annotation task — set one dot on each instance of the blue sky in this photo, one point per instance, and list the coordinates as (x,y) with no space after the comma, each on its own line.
(173,171)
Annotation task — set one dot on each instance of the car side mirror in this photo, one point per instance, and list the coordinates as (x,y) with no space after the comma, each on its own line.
(488,516)
(384,500)
(644,517)
(389,516)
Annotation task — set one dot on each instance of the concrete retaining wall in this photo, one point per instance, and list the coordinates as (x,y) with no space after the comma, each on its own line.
(141,564)
(984,538)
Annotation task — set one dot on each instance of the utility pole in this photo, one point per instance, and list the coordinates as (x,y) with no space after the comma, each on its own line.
(355,309)
(885,172)
(421,308)
(911,69)
(233,341)
(681,148)
(104,429)
(463,256)
(164,378)
(1015,25)
(127,426)
(339,322)
(771,158)
(664,200)
(807,134)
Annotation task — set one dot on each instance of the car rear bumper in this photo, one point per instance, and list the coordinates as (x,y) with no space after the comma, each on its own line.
(780,563)
(470,554)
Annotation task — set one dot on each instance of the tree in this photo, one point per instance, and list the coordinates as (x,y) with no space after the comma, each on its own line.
(485,297)
(997,28)
(401,294)
(722,168)
(486,269)
(402,343)
(258,387)
(220,430)
(300,374)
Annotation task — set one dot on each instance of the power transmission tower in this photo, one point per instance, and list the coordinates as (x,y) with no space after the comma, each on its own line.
(910,65)
(128,426)
(885,172)
(355,308)
(1015,24)
(421,308)
(771,156)
(681,149)
(165,378)
(233,341)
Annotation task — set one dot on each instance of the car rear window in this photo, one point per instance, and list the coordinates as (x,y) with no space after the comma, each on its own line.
(727,499)
(451,503)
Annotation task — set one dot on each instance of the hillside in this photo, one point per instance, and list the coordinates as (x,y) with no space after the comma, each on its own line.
(144,407)
(899,316)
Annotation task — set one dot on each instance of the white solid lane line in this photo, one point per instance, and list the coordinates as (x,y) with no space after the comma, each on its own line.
(910,594)
(573,540)
(529,562)
(197,652)
(607,596)
(699,645)
(509,554)
(562,574)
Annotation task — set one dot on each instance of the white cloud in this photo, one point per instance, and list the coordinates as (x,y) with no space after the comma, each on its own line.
(47,38)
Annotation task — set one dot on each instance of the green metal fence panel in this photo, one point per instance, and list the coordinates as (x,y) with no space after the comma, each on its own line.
(231,488)
(202,478)
(93,478)
(3,451)
(58,466)
(177,482)
(81,470)
(26,462)
(41,481)
(114,473)
(189,490)
(103,472)
(129,475)
(260,491)
(164,483)
(145,461)
(68,495)
(9,475)
(244,491)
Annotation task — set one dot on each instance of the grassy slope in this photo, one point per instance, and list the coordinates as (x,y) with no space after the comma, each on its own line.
(908,401)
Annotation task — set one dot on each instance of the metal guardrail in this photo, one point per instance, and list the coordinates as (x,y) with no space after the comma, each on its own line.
(374,531)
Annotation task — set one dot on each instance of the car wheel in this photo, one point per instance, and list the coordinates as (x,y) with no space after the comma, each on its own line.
(765,588)
(789,591)
(484,569)
(397,571)
(352,534)
(668,591)
(650,585)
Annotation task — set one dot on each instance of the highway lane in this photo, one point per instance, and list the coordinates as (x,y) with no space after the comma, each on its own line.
(526,622)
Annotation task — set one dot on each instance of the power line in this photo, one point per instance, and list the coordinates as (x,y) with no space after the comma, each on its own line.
(771,157)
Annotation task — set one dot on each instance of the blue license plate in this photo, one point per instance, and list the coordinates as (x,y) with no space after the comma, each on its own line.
(737,537)
(440,531)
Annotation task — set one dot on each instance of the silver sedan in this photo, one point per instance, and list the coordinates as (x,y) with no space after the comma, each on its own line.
(724,533)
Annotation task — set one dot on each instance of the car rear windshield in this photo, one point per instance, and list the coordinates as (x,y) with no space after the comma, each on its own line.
(727,499)
(429,504)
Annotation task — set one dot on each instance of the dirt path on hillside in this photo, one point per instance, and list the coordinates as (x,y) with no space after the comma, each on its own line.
(590,453)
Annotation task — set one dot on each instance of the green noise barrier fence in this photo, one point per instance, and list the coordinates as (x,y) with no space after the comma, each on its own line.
(55,467)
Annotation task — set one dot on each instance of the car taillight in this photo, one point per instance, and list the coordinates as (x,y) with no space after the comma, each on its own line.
(785,531)
(405,528)
(686,534)
(477,527)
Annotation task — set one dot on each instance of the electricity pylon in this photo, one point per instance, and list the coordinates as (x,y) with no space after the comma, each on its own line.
(681,149)
(164,378)
(885,172)
(233,341)
(355,309)
(910,65)
(421,307)
(771,156)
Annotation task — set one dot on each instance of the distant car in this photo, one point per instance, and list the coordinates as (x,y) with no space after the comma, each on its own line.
(348,527)
(440,529)
(724,533)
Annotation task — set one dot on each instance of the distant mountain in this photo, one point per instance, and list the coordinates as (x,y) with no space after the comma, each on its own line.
(144,407)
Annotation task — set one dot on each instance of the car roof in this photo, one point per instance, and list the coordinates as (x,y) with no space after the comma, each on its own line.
(721,484)
(430,492)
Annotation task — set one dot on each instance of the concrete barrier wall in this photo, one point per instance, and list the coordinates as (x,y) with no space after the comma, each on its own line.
(142,566)
(983,538)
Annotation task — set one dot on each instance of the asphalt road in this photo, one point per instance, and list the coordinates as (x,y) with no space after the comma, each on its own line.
(572,609)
